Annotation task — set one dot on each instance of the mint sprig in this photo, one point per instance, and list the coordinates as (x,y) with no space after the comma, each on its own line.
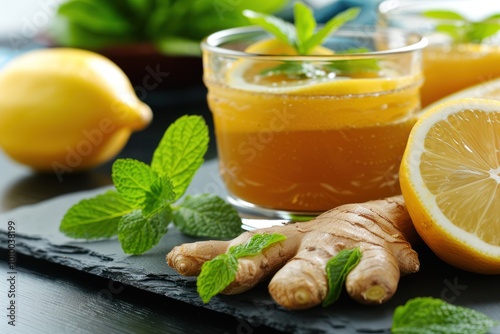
(180,152)
(426,315)
(467,31)
(216,275)
(256,244)
(96,217)
(132,179)
(206,214)
(302,36)
(353,66)
(221,271)
(281,29)
(138,233)
(144,202)
(337,269)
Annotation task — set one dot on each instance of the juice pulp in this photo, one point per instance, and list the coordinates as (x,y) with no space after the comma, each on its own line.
(453,68)
(317,146)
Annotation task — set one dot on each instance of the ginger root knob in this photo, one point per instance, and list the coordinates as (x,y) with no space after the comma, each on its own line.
(376,294)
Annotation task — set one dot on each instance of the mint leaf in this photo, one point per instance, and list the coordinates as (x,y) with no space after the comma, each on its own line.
(159,196)
(138,234)
(492,17)
(94,16)
(458,33)
(337,269)
(351,66)
(329,28)
(256,244)
(221,271)
(482,30)
(207,215)
(340,67)
(288,68)
(281,29)
(95,217)
(132,180)
(216,275)
(140,210)
(180,152)
(301,36)
(468,31)
(304,39)
(444,15)
(426,315)
(305,24)
(297,70)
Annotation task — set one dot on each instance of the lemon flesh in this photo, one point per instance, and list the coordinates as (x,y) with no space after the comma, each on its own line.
(66,108)
(450,179)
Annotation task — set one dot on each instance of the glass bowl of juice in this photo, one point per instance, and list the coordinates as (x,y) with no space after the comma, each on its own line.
(456,57)
(298,135)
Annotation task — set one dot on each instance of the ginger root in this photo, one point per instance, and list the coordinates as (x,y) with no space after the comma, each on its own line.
(382,229)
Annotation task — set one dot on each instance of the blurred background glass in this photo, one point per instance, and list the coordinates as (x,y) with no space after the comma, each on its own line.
(464,41)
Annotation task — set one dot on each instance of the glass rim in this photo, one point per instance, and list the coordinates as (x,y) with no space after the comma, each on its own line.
(212,43)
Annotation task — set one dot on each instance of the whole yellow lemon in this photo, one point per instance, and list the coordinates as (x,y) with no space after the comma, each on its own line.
(64,109)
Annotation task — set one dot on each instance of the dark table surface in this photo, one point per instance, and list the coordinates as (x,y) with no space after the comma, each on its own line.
(56,299)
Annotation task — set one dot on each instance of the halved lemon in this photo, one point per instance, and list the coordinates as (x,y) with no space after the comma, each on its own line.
(450,179)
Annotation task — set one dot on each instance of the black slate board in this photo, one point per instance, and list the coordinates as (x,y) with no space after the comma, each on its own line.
(37,235)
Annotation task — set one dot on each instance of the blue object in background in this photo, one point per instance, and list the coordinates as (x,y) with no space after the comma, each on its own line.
(326,9)
(7,53)
(368,15)
(5,56)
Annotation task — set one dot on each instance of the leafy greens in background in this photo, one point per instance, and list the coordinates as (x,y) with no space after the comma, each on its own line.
(144,202)
(463,30)
(175,27)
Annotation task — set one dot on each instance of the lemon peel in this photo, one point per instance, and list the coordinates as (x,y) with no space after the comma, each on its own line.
(64,109)
(449,179)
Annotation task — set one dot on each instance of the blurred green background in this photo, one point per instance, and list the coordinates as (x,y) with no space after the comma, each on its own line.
(142,34)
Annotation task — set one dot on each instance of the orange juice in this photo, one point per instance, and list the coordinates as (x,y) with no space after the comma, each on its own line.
(448,69)
(464,45)
(301,134)
(303,150)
